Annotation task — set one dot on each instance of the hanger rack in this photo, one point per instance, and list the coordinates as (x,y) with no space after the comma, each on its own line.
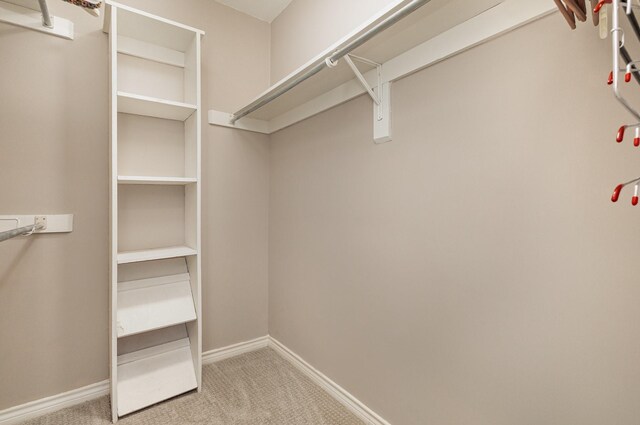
(631,68)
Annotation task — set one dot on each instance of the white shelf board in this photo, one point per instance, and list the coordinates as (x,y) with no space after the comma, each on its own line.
(149,304)
(435,32)
(176,181)
(154,374)
(155,254)
(135,104)
(27,14)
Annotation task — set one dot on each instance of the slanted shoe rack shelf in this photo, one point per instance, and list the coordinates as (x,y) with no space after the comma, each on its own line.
(155,135)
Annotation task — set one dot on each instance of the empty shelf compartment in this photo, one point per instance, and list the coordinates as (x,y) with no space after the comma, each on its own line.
(154,374)
(149,304)
(149,146)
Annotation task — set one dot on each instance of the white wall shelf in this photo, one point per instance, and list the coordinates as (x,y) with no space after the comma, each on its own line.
(155,254)
(155,275)
(436,31)
(156,180)
(148,304)
(154,374)
(129,103)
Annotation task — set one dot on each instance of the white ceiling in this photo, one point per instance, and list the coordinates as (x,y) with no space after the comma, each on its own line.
(265,10)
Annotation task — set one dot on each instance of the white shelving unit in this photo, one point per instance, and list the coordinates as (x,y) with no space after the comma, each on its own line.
(155,117)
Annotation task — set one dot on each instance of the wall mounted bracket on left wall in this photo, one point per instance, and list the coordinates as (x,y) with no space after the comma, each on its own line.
(28,14)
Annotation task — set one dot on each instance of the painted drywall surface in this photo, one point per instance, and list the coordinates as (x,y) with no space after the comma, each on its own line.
(307,27)
(473,270)
(54,159)
(235,236)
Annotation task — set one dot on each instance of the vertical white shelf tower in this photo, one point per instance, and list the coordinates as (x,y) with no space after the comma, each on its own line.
(155,114)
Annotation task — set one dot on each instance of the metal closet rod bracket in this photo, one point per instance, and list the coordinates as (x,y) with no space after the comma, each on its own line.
(47,19)
(380,95)
(349,60)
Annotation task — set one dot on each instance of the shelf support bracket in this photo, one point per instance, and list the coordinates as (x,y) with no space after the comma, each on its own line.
(381,96)
(349,59)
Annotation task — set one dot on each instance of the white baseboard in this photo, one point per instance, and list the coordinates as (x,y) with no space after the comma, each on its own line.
(51,404)
(36,408)
(234,350)
(357,407)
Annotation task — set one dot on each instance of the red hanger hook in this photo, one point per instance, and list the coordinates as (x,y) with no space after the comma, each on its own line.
(600,4)
(627,77)
(616,193)
(610,79)
(620,135)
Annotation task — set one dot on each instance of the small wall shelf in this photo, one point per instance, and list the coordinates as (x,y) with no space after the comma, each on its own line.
(155,254)
(156,180)
(153,107)
(155,297)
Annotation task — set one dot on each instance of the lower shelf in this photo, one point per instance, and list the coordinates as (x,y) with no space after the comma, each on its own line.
(149,304)
(154,374)
(154,254)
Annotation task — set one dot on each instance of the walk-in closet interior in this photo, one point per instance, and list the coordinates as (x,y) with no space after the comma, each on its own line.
(337,212)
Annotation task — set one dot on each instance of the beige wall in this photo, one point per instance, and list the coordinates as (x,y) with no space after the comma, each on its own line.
(472,271)
(307,27)
(54,159)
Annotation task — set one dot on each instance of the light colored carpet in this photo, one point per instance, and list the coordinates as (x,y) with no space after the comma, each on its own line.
(255,388)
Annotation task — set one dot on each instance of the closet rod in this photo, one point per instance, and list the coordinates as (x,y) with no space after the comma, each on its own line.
(18,232)
(46,16)
(333,58)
